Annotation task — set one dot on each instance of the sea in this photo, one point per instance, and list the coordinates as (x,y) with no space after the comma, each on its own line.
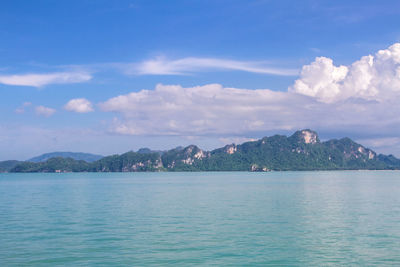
(327,218)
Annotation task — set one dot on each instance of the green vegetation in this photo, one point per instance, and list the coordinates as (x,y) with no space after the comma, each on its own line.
(6,166)
(301,151)
(128,162)
(53,165)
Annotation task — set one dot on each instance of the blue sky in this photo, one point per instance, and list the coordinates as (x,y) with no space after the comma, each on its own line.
(101,55)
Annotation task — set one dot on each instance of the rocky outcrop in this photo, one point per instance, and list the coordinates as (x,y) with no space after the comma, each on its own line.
(230,149)
(306,136)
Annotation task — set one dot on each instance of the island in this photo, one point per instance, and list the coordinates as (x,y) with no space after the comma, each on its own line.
(301,151)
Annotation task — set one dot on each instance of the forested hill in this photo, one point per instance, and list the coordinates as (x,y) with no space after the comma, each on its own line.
(7,165)
(301,151)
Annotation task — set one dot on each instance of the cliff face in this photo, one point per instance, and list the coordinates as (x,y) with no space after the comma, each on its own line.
(305,136)
(301,151)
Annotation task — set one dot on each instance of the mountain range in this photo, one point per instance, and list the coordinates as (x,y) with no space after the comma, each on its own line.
(74,155)
(301,151)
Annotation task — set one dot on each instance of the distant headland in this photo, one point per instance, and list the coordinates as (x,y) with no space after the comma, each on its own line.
(301,151)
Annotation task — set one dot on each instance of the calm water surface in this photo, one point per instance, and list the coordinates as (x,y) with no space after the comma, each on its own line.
(183,219)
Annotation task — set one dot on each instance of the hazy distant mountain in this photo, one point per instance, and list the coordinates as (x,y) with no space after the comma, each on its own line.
(301,151)
(73,155)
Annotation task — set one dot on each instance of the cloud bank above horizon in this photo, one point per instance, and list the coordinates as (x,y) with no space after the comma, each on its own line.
(363,96)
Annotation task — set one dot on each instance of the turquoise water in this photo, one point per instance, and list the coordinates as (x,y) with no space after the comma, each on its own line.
(183,219)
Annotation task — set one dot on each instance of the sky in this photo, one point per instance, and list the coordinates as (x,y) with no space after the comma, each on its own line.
(108,77)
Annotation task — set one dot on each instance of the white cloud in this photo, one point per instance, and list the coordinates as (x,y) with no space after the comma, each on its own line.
(215,110)
(39,80)
(212,109)
(163,66)
(80,105)
(371,78)
(44,111)
(21,109)
(320,79)
(157,66)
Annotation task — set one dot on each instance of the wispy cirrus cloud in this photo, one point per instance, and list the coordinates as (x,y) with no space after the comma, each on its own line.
(21,109)
(156,66)
(188,65)
(39,80)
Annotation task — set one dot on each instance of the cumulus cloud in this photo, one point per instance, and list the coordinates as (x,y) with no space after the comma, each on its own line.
(44,111)
(373,77)
(163,66)
(172,109)
(39,80)
(80,105)
(215,110)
